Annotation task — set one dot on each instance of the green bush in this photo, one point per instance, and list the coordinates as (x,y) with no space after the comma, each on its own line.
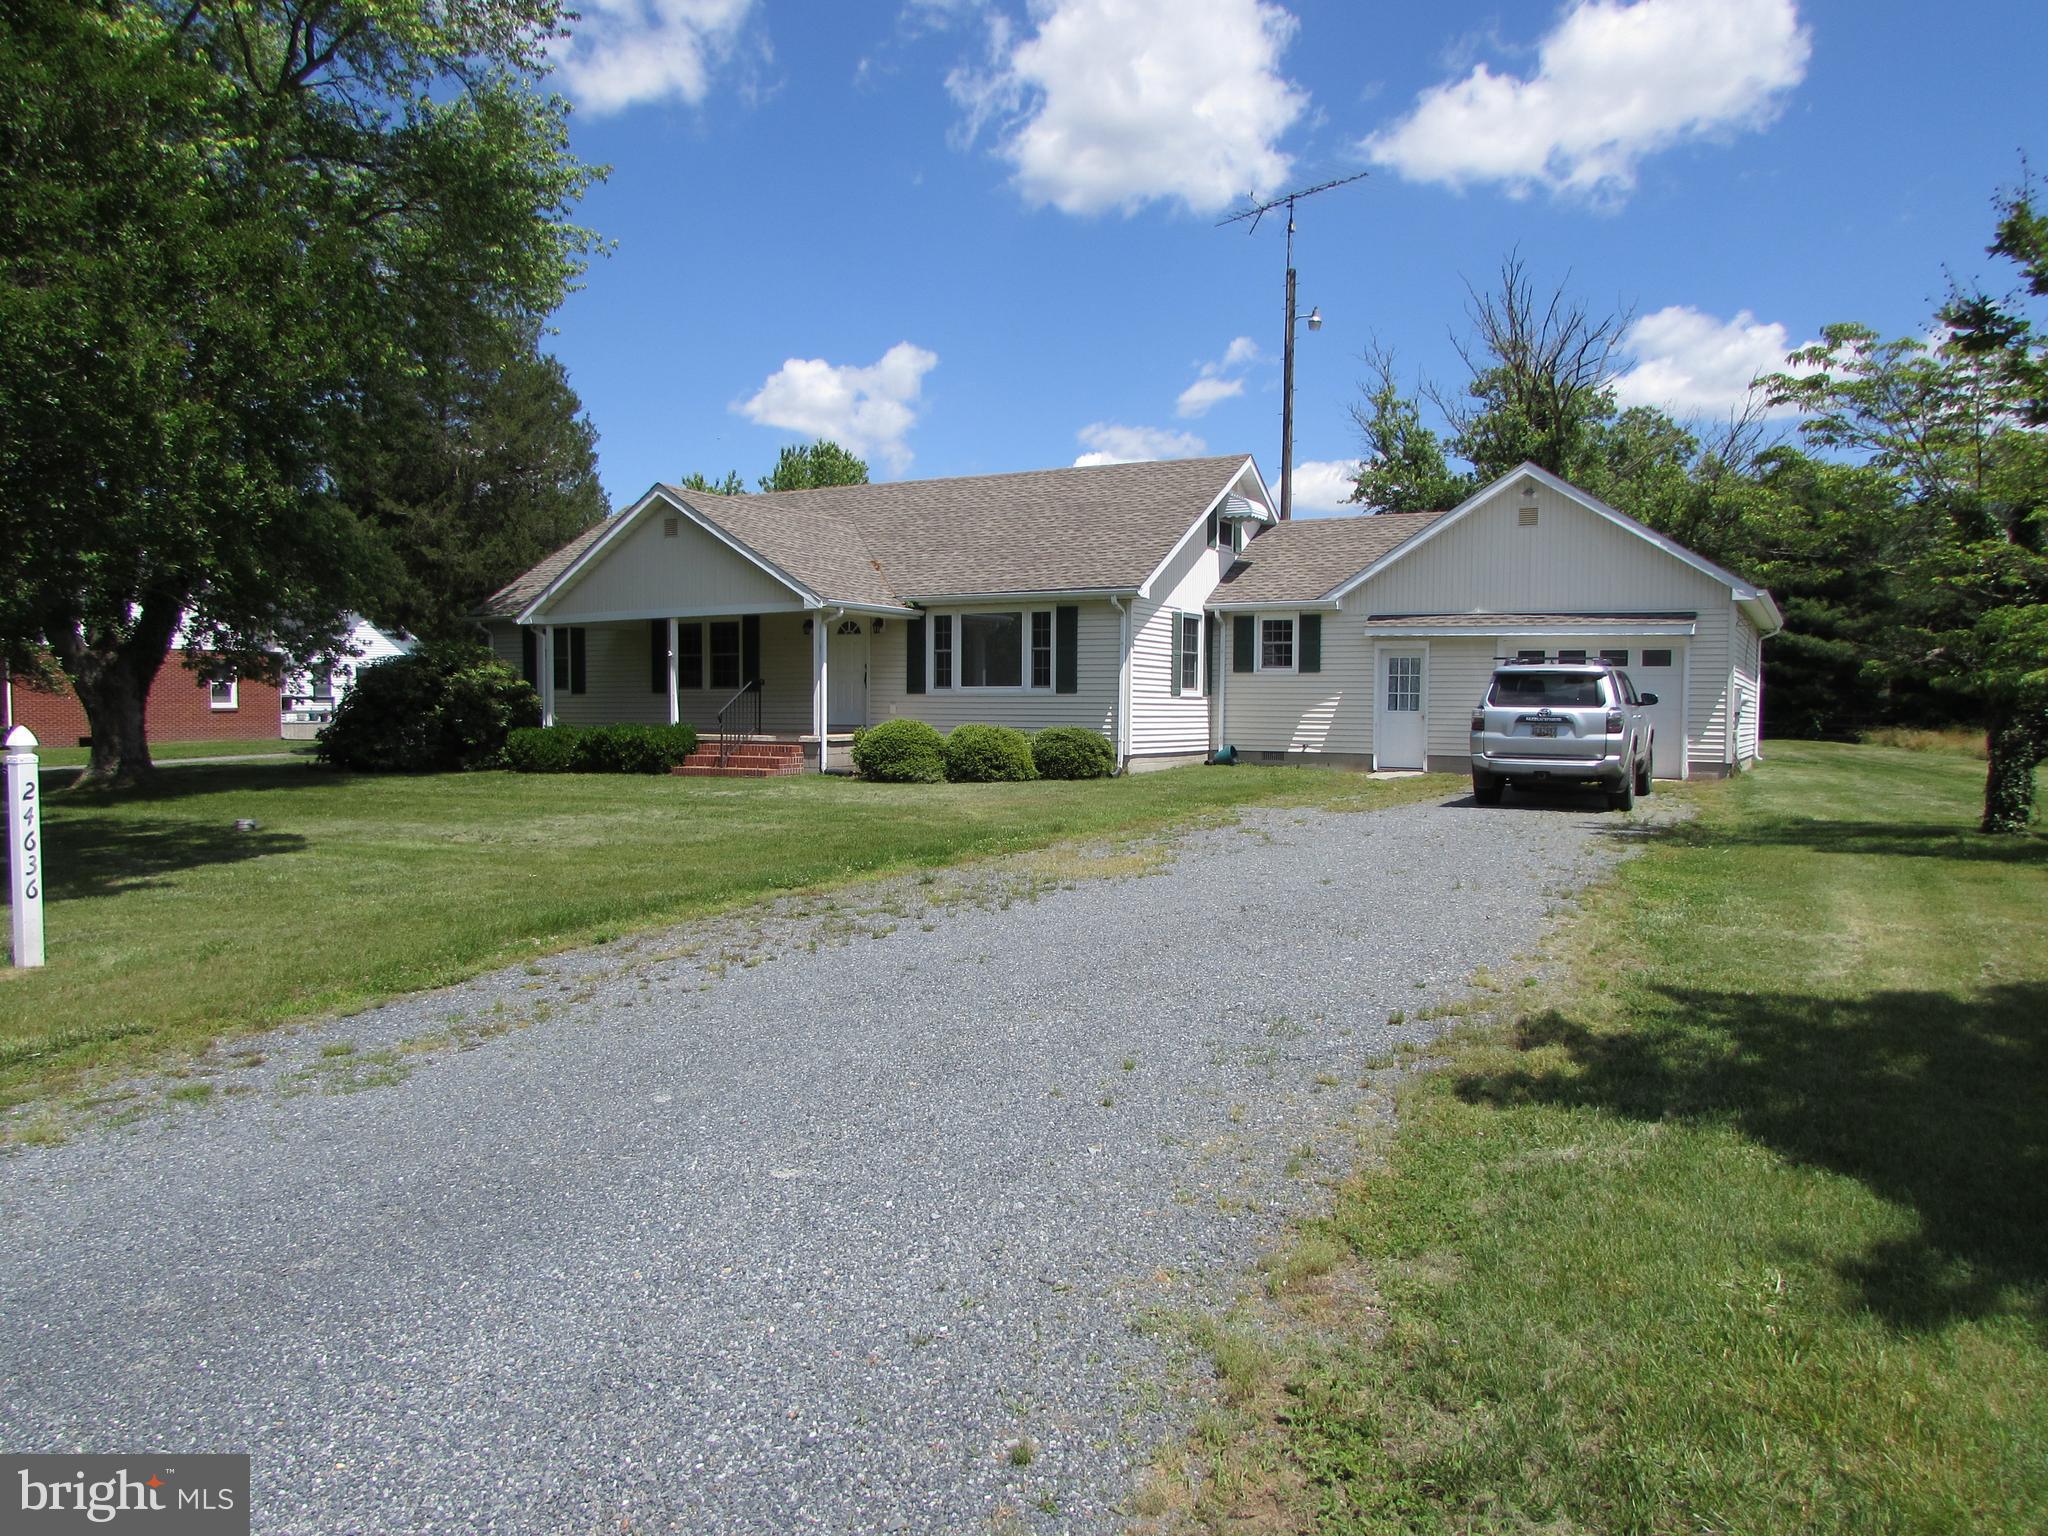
(540,749)
(900,752)
(988,754)
(439,708)
(600,748)
(1072,752)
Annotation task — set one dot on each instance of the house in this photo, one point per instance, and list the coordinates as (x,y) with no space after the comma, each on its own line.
(315,686)
(1368,640)
(1162,604)
(1057,597)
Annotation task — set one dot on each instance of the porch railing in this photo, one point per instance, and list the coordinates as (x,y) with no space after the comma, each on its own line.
(739,720)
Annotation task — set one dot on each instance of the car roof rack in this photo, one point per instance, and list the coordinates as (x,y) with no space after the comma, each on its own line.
(1584,659)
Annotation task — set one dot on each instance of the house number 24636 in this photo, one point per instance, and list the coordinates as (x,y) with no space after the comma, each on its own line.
(31,855)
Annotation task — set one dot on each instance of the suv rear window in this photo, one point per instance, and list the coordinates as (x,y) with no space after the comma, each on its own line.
(1547,690)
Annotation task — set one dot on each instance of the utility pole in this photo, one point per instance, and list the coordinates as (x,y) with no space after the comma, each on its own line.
(1315,323)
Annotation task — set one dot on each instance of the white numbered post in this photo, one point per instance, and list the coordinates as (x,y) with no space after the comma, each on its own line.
(25,845)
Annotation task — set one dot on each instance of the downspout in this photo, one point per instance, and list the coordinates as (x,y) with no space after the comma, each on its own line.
(1120,732)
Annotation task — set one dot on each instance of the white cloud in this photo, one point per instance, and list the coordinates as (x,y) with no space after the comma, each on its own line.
(1613,82)
(868,410)
(1214,384)
(1111,444)
(1323,485)
(1691,363)
(622,53)
(1118,103)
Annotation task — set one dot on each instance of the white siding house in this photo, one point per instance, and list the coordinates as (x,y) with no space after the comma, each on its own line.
(1412,621)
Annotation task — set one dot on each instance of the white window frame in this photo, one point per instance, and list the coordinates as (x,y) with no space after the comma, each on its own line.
(232,701)
(1293,623)
(955,618)
(1181,619)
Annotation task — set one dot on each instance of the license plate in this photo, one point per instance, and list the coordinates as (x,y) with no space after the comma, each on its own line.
(1542,730)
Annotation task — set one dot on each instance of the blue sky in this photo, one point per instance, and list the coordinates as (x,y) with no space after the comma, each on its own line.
(969,236)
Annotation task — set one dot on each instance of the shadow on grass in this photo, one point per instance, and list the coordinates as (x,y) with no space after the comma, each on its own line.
(186,781)
(107,857)
(1931,1100)
(1934,840)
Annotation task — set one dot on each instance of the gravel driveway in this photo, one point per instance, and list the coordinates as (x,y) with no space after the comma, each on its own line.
(807,1219)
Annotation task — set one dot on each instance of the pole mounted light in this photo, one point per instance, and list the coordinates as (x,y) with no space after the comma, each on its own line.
(1315,323)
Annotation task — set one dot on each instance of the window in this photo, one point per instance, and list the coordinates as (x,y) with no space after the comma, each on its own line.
(991,650)
(689,655)
(1041,648)
(1615,658)
(1404,684)
(725,654)
(569,667)
(1276,645)
(1572,658)
(1189,657)
(221,693)
(1528,655)
(1547,690)
(942,650)
(1656,658)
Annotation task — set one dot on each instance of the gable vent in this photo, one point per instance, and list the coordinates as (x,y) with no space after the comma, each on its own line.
(1526,518)
(669,526)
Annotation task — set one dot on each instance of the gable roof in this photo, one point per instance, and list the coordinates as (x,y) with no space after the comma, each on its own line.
(1092,528)
(1303,560)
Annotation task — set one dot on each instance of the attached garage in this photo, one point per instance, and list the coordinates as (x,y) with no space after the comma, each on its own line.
(1414,610)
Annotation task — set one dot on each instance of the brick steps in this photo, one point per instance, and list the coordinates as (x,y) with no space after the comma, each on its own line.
(752,760)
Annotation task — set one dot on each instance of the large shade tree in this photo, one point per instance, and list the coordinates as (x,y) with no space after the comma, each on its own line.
(220,220)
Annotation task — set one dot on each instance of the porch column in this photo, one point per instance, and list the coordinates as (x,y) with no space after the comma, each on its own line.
(544,652)
(819,708)
(675,707)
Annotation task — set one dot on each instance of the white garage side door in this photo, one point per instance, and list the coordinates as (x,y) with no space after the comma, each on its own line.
(1400,735)
(1658,667)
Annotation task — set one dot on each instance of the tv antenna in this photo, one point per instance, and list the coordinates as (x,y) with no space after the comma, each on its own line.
(1255,213)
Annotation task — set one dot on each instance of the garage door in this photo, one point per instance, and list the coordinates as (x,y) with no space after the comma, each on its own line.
(1654,666)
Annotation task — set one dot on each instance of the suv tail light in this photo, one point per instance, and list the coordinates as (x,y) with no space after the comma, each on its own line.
(1478,721)
(1614,722)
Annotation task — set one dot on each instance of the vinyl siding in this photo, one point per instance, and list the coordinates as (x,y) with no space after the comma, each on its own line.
(1161,723)
(1748,671)
(642,573)
(1099,638)
(1573,560)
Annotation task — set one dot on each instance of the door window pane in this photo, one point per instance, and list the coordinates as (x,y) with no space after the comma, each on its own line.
(1404,683)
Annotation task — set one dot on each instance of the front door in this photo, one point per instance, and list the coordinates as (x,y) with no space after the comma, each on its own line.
(1400,737)
(1660,669)
(846,675)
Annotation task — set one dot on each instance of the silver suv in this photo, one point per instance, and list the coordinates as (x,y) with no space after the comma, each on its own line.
(1557,722)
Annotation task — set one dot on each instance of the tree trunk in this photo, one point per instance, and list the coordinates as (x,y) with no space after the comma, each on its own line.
(2017,742)
(112,676)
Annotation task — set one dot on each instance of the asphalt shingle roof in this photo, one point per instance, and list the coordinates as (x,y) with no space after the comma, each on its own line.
(1091,528)
(1303,560)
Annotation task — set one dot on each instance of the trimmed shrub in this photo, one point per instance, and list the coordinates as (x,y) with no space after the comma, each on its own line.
(1072,752)
(439,708)
(988,754)
(541,749)
(631,748)
(900,752)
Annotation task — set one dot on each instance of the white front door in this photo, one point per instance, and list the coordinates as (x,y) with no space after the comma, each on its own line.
(846,674)
(1658,667)
(1400,737)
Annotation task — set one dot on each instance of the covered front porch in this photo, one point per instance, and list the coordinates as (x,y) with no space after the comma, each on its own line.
(772,678)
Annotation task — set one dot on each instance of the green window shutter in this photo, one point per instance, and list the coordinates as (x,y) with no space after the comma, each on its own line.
(559,661)
(529,656)
(1215,525)
(913,656)
(1066,645)
(657,650)
(690,660)
(1241,642)
(579,673)
(750,647)
(1309,648)
(1178,649)
(1211,634)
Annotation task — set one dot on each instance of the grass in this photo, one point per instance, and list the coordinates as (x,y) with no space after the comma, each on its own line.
(1754,1239)
(168,928)
(177,751)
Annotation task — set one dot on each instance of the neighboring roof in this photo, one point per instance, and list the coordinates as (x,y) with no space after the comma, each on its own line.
(1303,560)
(510,600)
(1095,528)
(1532,623)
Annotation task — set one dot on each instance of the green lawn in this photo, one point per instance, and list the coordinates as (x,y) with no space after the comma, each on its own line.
(1745,1231)
(168,928)
(175,751)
